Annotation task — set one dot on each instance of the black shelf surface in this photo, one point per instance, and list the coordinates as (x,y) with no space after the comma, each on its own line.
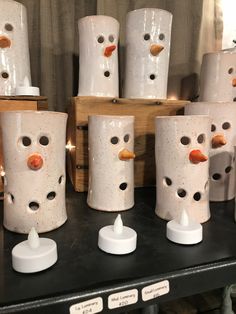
(84,272)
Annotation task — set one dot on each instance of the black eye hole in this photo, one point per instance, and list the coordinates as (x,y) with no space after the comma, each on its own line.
(161,36)
(100,39)
(185,140)
(126,138)
(146,37)
(111,38)
(225,125)
(26,141)
(230,70)
(44,140)
(8,27)
(114,140)
(213,128)
(4,75)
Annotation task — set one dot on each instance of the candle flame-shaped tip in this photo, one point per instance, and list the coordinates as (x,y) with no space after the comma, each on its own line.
(184,219)
(118,225)
(26,81)
(33,239)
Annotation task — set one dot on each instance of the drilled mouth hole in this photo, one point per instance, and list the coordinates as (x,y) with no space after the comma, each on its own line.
(34,206)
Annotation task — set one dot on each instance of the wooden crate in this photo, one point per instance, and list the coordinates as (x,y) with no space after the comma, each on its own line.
(12,103)
(144,110)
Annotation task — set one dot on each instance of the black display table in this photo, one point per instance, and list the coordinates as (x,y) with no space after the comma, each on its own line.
(83,272)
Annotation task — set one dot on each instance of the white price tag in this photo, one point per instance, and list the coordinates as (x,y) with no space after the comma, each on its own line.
(87,307)
(123,298)
(155,290)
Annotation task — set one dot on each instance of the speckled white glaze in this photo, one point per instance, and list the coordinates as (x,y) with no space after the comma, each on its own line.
(172,162)
(14,60)
(217,73)
(220,157)
(92,62)
(27,185)
(106,170)
(140,63)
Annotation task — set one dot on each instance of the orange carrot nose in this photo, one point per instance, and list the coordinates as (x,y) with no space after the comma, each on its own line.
(197,156)
(234,82)
(5,42)
(125,154)
(156,49)
(218,141)
(35,161)
(108,50)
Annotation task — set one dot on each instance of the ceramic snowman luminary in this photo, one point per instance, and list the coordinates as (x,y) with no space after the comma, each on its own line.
(223,137)
(182,146)
(98,46)
(111,174)
(218,76)
(148,33)
(14,49)
(34,164)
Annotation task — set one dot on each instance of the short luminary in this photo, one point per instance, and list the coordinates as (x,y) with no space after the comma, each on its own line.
(34,164)
(182,147)
(98,45)
(222,141)
(14,49)
(218,76)
(111,174)
(148,33)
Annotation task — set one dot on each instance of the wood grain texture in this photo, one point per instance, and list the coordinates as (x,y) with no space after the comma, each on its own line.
(144,110)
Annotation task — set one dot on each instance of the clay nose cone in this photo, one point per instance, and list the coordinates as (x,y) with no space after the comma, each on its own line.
(5,42)
(234,82)
(218,141)
(35,161)
(197,156)
(156,49)
(125,154)
(108,50)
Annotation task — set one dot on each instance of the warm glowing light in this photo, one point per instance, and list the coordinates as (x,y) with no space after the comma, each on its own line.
(69,146)
(229,24)
(173,97)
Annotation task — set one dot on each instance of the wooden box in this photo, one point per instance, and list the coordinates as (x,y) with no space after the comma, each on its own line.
(12,103)
(144,110)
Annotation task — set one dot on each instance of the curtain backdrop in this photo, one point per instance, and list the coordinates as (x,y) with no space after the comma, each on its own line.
(53,37)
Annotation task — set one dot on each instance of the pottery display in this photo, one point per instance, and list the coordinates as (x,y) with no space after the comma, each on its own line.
(98,56)
(182,148)
(218,76)
(34,165)
(111,166)
(14,48)
(148,34)
(222,141)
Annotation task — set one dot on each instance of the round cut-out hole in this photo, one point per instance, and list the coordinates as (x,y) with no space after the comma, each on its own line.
(213,128)
(8,27)
(201,138)
(126,138)
(26,141)
(167,181)
(185,140)
(152,77)
(181,193)
(230,70)
(216,176)
(51,195)
(111,38)
(5,75)
(197,196)
(60,180)
(100,39)
(146,37)
(225,125)
(34,206)
(123,186)
(161,36)
(44,140)
(114,140)
(228,169)
(106,73)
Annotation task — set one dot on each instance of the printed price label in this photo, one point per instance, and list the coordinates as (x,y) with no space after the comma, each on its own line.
(121,299)
(87,307)
(155,290)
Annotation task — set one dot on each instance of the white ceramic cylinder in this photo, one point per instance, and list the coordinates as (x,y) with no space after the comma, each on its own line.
(14,48)
(111,174)
(218,76)
(98,56)
(148,33)
(34,164)
(182,147)
(223,138)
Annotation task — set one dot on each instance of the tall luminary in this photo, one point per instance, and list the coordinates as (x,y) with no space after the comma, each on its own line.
(148,34)
(34,164)
(14,49)
(182,147)
(222,141)
(98,55)
(218,76)
(111,173)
